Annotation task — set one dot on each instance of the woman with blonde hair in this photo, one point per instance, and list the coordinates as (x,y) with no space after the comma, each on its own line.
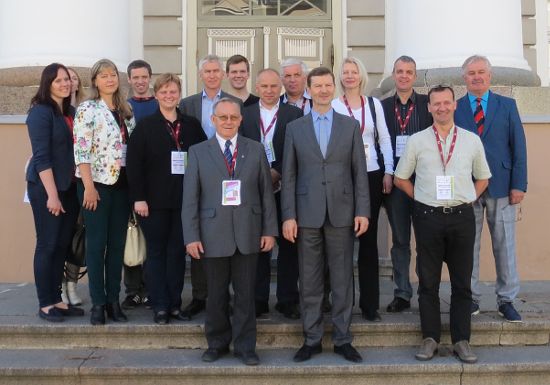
(103,125)
(377,143)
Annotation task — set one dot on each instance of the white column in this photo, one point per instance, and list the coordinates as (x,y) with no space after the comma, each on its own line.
(442,33)
(72,32)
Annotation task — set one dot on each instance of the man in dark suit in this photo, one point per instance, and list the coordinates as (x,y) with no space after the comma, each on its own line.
(265,122)
(200,106)
(496,120)
(406,113)
(229,216)
(325,199)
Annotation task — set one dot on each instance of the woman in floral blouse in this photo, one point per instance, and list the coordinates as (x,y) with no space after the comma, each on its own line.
(102,127)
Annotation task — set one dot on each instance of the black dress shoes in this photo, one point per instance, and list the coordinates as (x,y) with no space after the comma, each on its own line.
(306,352)
(348,352)
(115,312)
(261,308)
(194,307)
(372,315)
(53,315)
(97,315)
(71,311)
(288,310)
(398,305)
(248,358)
(161,317)
(178,315)
(213,354)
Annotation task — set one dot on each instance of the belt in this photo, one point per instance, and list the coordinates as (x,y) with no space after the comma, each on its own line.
(443,209)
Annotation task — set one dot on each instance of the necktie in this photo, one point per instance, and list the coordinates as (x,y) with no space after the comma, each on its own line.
(323,131)
(227,153)
(479,117)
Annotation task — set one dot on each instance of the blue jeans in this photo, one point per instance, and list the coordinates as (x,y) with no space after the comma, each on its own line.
(53,237)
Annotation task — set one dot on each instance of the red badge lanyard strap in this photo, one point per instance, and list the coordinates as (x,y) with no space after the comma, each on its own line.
(440,147)
(175,133)
(350,112)
(231,167)
(403,123)
(265,131)
(304,101)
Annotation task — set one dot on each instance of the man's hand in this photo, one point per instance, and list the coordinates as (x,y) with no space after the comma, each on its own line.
(195,249)
(290,230)
(267,242)
(275,179)
(516,196)
(387,183)
(361,224)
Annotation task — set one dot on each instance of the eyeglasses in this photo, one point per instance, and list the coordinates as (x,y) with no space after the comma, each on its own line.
(231,118)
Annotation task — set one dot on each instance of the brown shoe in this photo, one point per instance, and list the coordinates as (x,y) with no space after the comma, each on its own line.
(427,349)
(464,352)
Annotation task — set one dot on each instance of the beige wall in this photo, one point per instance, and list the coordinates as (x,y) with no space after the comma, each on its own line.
(17,236)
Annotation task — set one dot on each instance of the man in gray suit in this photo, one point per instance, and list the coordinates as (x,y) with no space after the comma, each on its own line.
(200,106)
(228,217)
(325,199)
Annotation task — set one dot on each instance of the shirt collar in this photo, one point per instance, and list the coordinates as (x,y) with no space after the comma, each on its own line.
(221,141)
(315,115)
(484,97)
(412,98)
(218,94)
(274,108)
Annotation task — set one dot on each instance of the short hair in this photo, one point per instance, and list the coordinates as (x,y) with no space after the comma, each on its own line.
(293,61)
(475,58)
(210,59)
(139,64)
(119,101)
(236,59)
(404,59)
(226,100)
(43,94)
(262,71)
(440,88)
(164,79)
(319,71)
(364,77)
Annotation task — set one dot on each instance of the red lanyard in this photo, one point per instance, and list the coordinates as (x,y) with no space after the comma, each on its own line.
(264,130)
(231,167)
(175,132)
(403,123)
(350,112)
(438,140)
(70,122)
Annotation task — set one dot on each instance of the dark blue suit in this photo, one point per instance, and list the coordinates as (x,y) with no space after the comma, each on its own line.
(505,148)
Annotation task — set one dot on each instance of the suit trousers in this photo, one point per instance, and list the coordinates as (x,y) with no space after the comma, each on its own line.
(444,238)
(240,271)
(165,264)
(367,262)
(53,238)
(337,244)
(501,219)
(199,288)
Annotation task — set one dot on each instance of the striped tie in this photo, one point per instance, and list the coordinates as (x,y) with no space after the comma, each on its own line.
(479,117)
(227,152)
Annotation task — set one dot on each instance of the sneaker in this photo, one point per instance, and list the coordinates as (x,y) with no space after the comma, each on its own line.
(146,302)
(427,349)
(474,308)
(131,302)
(464,352)
(508,312)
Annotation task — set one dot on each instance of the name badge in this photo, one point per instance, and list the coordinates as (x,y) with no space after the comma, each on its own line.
(445,186)
(123,159)
(231,192)
(179,162)
(367,151)
(269,151)
(400,143)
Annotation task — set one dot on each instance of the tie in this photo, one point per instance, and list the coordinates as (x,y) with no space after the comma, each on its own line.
(479,117)
(227,152)
(323,140)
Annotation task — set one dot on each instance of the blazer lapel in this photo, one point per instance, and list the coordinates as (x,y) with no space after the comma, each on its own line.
(217,157)
(334,137)
(309,136)
(256,119)
(465,110)
(492,106)
(242,154)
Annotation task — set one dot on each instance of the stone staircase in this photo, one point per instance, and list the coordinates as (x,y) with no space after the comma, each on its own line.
(139,352)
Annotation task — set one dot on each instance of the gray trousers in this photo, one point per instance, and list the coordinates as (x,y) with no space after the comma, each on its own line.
(501,219)
(337,244)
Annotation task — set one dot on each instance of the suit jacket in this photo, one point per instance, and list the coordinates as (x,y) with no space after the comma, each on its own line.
(223,229)
(52,146)
(250,128)
(504,141)
(311,182)
(149,160)
(192,105)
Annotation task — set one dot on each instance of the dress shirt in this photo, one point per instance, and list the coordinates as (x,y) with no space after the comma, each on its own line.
(207,111)
(221,142)
(304,103)
(266,115)
(318,120)
(484,101)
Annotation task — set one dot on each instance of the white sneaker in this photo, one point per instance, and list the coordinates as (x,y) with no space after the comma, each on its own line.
(71,293)
(64,297)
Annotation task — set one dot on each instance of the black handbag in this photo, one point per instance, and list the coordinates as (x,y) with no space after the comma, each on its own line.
(77,250)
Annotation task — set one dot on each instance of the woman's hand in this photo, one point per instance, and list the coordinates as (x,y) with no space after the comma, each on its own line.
(54,206)
(91,197)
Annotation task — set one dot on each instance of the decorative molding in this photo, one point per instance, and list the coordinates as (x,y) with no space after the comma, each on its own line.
(300,42)
(296,31)
(226,42)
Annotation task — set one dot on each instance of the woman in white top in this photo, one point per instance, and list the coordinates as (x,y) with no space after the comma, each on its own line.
(376,139)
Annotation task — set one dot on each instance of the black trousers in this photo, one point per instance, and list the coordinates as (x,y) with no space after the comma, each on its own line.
(240,271)
(445,238)
(165,264)
(367,262)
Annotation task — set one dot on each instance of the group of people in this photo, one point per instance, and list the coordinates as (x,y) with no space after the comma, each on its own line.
(223,176)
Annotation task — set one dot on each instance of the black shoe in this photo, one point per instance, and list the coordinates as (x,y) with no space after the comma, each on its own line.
(146,302)
(71,311)
(53,315)
(248,358)
(178,315)
(372,315)
(288,310)
(161,317)
(327,306)
(115,312)
(348,352)
(97,315)
(306,352)
(213,354)
(261,308)
(131,302)
(398,305)
(194,307)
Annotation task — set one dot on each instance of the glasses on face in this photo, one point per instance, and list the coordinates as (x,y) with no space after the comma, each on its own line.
(231,118)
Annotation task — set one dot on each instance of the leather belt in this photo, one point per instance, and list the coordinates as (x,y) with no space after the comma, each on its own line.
(443,209)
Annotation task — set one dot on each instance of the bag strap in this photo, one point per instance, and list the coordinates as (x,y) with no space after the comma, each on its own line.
(373,114)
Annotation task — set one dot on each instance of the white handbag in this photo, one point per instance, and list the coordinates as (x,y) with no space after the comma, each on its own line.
(134,251)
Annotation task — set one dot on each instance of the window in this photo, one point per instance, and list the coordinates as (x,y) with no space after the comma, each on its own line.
(265,8)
